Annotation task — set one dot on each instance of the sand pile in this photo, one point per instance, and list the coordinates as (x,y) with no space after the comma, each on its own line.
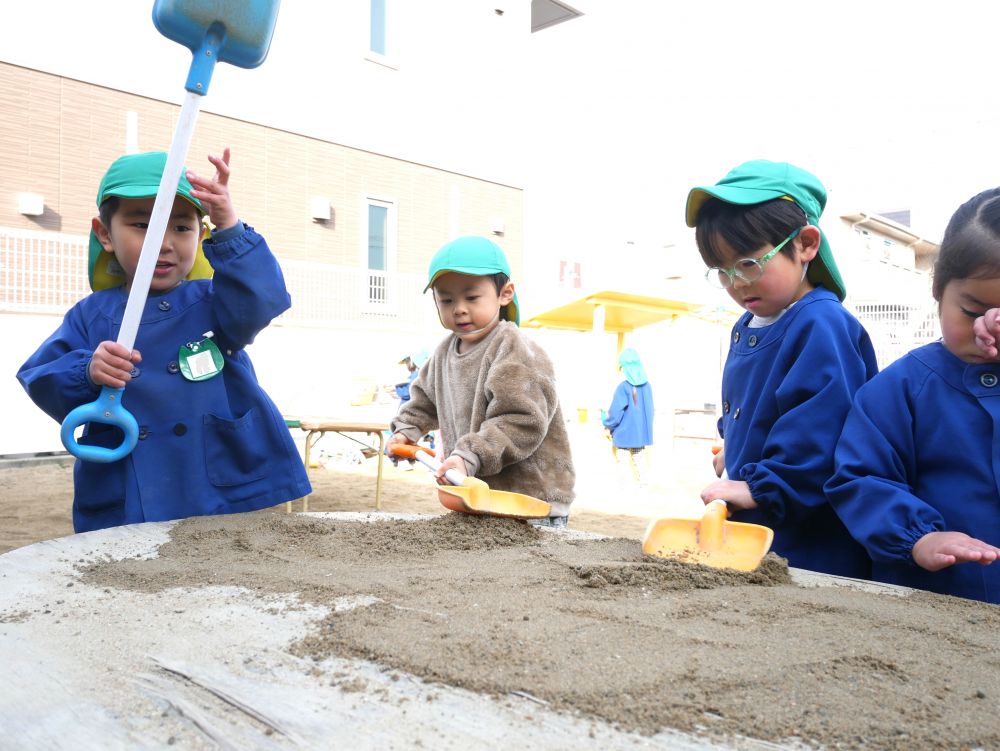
(590,626)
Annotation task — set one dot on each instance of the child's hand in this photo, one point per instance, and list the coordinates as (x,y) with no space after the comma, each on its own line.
(734,492)
(719,459)
(397,439)
(452,462)
(987,331)
(111,365)
(937,550)
(214,194)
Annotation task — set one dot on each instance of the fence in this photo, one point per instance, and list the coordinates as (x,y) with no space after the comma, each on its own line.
(41,272)
(46,273)
(896,329)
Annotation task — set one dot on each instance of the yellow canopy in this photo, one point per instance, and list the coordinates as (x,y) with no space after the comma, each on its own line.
(622,311)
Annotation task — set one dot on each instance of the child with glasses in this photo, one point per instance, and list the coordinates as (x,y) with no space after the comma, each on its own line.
(796,358)
(917,463)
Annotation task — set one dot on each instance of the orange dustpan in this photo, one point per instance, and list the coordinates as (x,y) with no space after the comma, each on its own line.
(470,495)
(710,540)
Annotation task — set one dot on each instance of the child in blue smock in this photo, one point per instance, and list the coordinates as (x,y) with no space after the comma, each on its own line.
(413,364)
(630,417)
(796,359)
(917,479)
(210,440)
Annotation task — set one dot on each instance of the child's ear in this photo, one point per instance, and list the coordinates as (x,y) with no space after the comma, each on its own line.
(808,242)
(103,234)
(506,294)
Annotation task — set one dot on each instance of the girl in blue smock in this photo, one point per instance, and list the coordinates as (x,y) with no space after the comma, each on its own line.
(917,478)
(630,418)
(796,359)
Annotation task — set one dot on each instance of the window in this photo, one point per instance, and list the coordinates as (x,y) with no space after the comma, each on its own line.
(376,42)
(378,251)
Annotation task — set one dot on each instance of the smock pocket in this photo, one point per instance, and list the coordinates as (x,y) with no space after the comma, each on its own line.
(99,488)
(235,450)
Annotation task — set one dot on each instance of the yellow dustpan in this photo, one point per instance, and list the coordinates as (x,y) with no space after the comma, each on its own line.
(470,495)
(710,540)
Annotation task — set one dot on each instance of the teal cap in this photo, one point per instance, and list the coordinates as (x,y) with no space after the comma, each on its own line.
(632,367)
(135,176)
(759,181)
(475,256)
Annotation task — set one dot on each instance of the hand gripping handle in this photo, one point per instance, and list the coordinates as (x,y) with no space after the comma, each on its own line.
(108,409)
(427,459)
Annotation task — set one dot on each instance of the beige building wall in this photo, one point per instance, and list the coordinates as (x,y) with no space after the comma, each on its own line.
(58,136)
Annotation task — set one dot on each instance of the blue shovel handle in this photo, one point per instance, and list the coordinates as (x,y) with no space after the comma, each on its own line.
(108,409)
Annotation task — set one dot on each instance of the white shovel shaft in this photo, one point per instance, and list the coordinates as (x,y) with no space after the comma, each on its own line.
(428,460)
(162,207)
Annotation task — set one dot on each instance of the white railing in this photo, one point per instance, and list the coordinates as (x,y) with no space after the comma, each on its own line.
(41,272)
(324,295)
(896,329)
(46,273)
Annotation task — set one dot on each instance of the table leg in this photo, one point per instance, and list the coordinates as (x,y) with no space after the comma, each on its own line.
(310,442)
(378,480)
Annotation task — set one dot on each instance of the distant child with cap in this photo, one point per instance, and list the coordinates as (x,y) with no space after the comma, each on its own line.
(917,466)
(413,363)
(210,440)
(490,389)
(630,417)
(796,359)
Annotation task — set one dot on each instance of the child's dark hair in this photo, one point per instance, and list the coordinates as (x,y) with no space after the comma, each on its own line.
(971,245)
(499,280)
(745,228)
(108,209)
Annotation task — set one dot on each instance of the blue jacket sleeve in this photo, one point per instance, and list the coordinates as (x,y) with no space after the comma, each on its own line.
(55,376)
(871,490)
(616,413)
(825,370)
(248,287)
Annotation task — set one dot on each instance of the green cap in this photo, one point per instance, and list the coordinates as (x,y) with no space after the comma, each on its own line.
(475,256)
(135,176)
(760,181)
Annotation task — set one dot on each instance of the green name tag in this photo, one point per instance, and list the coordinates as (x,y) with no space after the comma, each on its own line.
(201,360)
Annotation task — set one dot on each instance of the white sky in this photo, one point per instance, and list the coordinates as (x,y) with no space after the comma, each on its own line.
(892,104)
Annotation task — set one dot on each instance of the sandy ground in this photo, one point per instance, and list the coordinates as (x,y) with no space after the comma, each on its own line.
(36,498)
(584,627)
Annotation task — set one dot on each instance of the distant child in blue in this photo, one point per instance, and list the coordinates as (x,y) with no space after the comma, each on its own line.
(630,417)
(918,464)
(413,364)
(210,440)
(796,359)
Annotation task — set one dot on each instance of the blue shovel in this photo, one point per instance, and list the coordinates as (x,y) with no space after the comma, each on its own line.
(231,31)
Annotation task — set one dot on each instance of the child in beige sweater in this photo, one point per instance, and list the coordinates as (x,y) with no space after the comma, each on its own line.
(489,389)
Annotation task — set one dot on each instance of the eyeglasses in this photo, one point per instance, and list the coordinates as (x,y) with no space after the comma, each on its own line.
(746,269)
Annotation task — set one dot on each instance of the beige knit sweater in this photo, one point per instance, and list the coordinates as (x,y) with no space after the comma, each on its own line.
(497,408)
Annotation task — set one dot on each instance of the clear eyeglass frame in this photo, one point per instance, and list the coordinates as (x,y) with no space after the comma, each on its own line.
(748,270)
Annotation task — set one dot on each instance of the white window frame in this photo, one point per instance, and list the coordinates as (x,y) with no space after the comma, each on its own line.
(370,300)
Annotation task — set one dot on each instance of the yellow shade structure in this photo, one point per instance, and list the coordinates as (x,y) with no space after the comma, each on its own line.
(617,312)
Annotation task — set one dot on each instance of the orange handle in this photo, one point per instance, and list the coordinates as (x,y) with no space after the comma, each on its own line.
(408,450)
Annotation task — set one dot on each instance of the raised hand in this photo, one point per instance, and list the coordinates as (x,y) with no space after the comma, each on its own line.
(214,193)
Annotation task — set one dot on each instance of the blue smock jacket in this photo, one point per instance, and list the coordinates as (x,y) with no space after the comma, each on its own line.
(919,454)
(786,391)
(207,447)
(403,389)
(630,420)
